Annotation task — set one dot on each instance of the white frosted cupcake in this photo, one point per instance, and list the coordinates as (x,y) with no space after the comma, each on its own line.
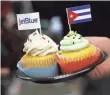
(39,60)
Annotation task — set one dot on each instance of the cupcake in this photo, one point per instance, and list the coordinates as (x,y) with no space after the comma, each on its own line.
(76,53)
(39,60)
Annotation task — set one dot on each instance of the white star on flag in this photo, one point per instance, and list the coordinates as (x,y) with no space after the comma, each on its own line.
(71,16)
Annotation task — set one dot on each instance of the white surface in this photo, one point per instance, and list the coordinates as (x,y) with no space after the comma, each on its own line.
(83,17)
(82,10)
(20,87)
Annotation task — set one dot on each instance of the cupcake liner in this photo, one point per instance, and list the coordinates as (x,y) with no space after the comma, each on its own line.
(29,61)
(73,66)
(77,55)
(39,72)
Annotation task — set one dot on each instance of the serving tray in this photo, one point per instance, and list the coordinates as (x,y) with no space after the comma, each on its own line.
(62,77)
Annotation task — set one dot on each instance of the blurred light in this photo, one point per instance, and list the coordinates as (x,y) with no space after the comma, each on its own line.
(56,24)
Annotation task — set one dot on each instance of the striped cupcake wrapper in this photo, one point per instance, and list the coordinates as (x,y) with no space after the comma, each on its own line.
(68,65)
(38,62)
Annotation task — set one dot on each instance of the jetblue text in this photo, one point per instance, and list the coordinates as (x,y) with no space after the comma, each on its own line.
(27,21)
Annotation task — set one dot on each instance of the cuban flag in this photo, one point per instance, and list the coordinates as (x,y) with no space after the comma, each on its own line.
(79,14)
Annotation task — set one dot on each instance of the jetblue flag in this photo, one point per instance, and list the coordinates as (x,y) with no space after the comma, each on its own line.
(79,14)
(28,21)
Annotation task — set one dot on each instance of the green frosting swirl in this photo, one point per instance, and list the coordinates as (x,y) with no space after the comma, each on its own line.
(73,42)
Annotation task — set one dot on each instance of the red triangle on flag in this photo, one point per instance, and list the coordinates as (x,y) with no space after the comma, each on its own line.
(71,16)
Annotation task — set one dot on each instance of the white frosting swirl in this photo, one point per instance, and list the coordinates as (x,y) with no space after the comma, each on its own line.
(39,45)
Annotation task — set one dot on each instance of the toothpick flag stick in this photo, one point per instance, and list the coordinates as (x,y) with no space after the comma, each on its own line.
(68,21)
(40,31)
(69,27)
(40,26)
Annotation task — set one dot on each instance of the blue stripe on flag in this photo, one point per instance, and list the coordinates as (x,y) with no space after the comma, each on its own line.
(82,20)
(79,7)
(86,13)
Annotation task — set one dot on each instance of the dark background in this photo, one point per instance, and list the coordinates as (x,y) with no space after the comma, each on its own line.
(100,25)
